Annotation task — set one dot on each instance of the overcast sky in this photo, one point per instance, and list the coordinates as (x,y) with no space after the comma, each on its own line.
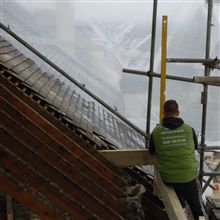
(127,10)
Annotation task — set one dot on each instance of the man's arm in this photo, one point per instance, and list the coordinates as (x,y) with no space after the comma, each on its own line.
(151,148)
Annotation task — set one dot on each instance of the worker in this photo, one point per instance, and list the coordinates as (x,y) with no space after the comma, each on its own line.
(174,142)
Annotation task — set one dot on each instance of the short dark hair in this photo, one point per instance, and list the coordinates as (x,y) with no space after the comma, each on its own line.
(171,106)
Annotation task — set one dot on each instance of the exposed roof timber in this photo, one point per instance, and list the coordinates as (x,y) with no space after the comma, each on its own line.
(24,140)
(129,157)
(69,138)
(23,196)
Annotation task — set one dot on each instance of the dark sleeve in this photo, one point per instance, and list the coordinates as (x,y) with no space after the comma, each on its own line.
(195,139)
(152,149)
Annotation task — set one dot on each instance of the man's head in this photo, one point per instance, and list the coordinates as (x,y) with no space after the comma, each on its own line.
(171,108)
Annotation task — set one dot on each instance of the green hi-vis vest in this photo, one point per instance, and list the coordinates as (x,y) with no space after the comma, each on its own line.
(176,153)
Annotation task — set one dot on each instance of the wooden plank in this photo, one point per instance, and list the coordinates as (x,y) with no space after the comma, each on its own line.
(88,154)
(73,175)
(27,199)
(129,157)
(170,200)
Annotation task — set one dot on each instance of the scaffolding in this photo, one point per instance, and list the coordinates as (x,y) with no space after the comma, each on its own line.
(207,80)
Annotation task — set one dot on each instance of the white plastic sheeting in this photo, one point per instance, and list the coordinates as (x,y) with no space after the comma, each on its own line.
(93,40)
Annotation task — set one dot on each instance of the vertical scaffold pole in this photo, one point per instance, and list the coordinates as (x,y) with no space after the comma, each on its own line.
(205,89)
(150,84)
(163,65)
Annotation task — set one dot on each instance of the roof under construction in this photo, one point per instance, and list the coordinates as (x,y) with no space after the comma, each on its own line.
(54,158)
(60,143)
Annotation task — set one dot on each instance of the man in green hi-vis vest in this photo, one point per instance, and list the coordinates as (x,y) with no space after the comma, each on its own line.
(175,142)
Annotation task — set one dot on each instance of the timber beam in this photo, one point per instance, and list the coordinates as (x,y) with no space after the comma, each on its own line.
(129,157)
(170,200)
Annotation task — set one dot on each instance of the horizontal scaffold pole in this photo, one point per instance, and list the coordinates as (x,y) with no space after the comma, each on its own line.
(188,60)
(211,174)
(210,148)
(158,75)
(211,63)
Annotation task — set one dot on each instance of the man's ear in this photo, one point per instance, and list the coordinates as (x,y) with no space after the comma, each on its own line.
(178,113)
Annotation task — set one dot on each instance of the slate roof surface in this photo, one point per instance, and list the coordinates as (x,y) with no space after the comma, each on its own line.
(66,98)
